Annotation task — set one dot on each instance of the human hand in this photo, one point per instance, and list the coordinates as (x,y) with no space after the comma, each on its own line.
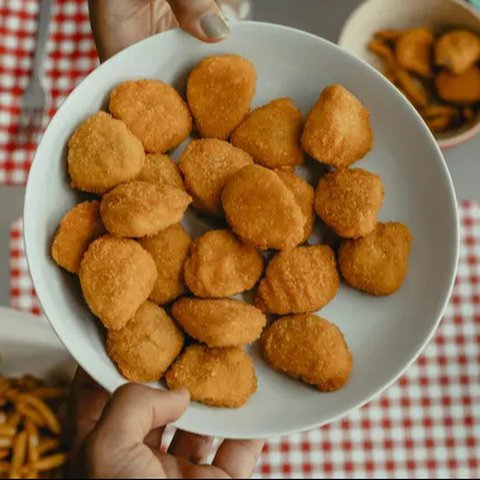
(120,436)
(116,24)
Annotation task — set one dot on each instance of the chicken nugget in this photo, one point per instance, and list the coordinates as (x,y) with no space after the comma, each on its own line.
(223,322)
(413,50)
(78,228)
(271,134)
(337,130)
(457,50)
(463,89)
(309,348)
(304,195)
(300,280)
(116,275)
(220,265)
(413,89)
(261,210)
(169,249)
(377,263)
(102,153)
(348,201)
(160,170)
(220,377)
(219,92)
(136,209)
(207,164)
(154,112)
(147,345)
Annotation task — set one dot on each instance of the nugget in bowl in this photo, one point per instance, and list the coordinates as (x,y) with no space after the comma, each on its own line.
(261,210)
(220,377)
(220,265)
(309,348)
(222,322)
(153,111)
(147,345)
(137,209)
(102,153)
(116,275)
(299,280)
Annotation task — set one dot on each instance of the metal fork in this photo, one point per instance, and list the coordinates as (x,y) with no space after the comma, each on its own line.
(34,98)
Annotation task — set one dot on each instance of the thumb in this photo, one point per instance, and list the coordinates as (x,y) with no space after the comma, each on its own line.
(134,411)
(201,18)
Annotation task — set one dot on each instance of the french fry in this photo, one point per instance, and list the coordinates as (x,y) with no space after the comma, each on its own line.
(389,34)
(49,463)
(51,393)
(3,418)
(47,445)
(28,382)
(30,413)
(383,51)
(19,452)
(6,442)
(412,88)
(4,453)
(436,110)
(439,123)
(7,430)
(5,384)
(44,410)
(14,419)
(4,467)
(32,441)
(468,114)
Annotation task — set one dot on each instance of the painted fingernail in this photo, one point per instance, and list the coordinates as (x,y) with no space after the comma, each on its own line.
(214,26)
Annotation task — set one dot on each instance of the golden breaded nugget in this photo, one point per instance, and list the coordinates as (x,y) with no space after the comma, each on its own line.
(304,195)
(220,265)
(261,210)
(300,280)
(160,169)
(413,50)
(460,89)
(102,153)
(169,248)
(309,348)
(136,209)
(377,263)
(78,228)
(348,201)
(337,130)
(271,134)
(207,164)
(457,50)
(116,275)
(154,112)
(413,89)
(147,345)
(221,377)
(219,92)
(223,322)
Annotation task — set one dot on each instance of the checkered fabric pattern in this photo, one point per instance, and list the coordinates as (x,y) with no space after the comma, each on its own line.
(71,56)
(427,425)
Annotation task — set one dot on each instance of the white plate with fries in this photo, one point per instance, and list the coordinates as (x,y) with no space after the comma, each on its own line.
(34,369)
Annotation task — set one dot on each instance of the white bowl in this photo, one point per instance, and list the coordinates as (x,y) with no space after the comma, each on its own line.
(374,15)
(385,334)
(29,345)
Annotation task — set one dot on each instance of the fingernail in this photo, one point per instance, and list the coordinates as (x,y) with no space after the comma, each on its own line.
(214,26)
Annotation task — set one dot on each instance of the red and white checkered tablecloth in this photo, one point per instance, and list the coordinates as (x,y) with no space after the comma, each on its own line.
(427,425)
(71,56)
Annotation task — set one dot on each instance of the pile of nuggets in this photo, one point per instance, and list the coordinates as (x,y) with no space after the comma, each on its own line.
(440,74)
(164,298)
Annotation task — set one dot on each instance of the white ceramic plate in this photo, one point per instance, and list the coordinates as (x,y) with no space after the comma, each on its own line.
(374,15)
(385,334)
(29,345)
